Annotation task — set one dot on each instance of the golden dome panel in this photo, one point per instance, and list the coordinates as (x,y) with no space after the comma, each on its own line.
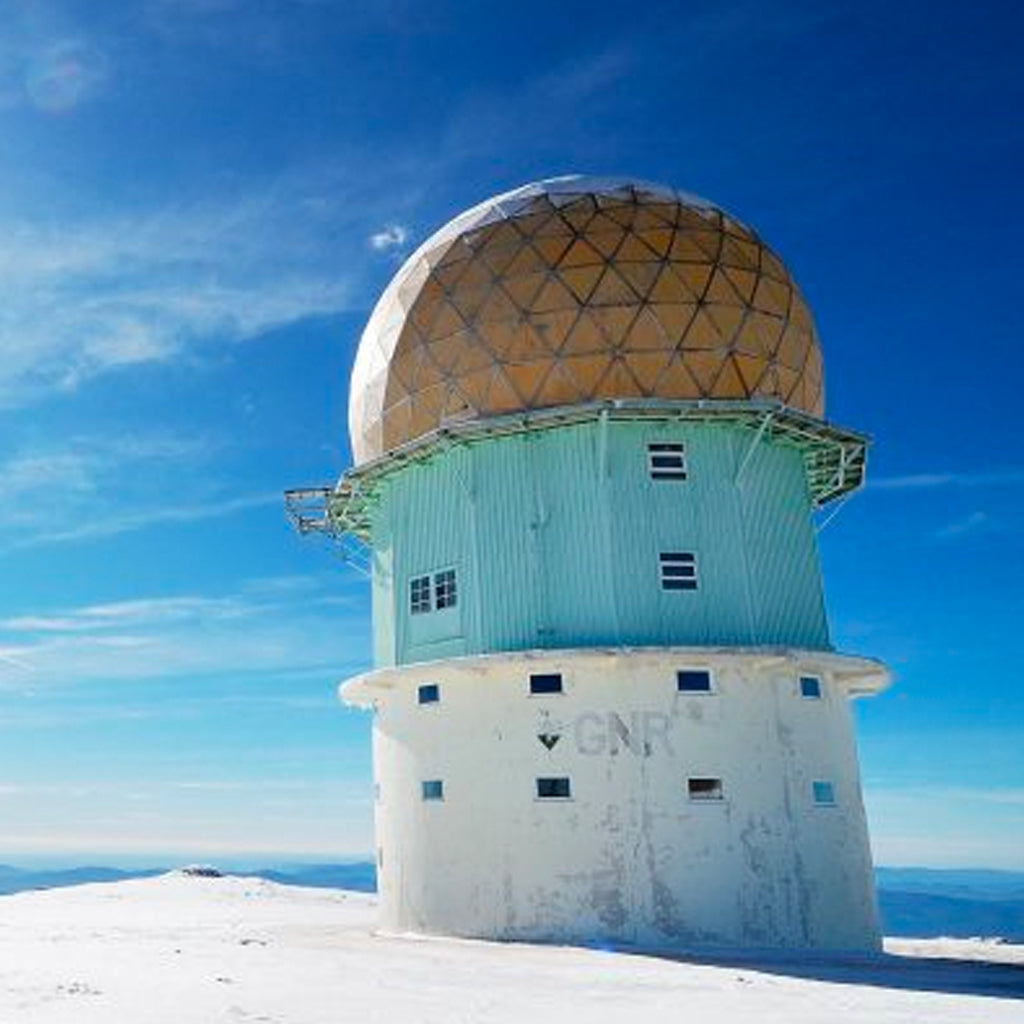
(575,290)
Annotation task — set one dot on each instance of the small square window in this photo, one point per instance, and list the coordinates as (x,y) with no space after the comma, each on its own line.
(666,461)
(429,693)
(693,680)
(419,595)
(678,570)
(445,592)
(701,788)
(433,789)
(810,687)
(554,788)
(824,793)
(546,682)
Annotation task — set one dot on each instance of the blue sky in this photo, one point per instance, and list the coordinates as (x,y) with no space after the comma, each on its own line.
(200,200)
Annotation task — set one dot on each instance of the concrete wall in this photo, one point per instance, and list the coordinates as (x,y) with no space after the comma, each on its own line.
(630,858)
(555,536)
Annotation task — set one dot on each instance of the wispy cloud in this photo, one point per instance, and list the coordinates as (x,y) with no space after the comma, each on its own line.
(1007,476)
(393,236)
(91,487)
(946,826)
(91,296)
(972,523)
(128,522)
(539,108)
(255,629)
(933,794)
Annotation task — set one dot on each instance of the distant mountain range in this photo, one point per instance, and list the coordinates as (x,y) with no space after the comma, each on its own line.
(358,875)
(914,902)
(922,903)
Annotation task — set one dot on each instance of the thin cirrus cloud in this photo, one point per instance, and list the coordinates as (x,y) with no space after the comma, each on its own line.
(102,494)
(928,481)
(969,524)
(141,519)
(255,629)
(91,296)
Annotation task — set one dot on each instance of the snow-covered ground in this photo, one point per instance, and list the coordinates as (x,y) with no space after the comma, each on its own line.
(179,949)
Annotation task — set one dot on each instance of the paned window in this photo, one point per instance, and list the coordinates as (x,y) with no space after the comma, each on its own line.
(445,592)
(666,461)
(419,595)
(678,570)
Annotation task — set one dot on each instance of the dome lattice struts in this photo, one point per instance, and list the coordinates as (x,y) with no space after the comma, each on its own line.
(580,290)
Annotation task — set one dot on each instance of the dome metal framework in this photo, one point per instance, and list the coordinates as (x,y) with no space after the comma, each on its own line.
(580,290)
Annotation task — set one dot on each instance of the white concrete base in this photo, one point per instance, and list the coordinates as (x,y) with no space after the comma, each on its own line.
(630,857)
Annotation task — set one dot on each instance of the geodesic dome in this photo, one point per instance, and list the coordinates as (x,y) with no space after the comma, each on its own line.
(574,290)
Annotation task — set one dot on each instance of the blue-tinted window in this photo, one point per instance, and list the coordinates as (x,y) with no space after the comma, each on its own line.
(429,693)
(824,792)
(546,682)
(810,687)
(693,680)
(558,788)
(433,789)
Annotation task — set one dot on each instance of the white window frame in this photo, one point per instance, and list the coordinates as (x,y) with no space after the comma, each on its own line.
(666,451)
(678,580)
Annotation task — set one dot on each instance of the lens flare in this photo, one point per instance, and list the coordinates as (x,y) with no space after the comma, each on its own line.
(65,75)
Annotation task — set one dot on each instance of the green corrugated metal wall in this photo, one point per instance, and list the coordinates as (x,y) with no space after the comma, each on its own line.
(555,536)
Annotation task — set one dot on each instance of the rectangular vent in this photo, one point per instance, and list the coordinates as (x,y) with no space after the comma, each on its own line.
(705,789)
(666,461)
(678,570)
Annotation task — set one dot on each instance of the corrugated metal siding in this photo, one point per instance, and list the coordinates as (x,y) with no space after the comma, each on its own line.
(555,536)
(783,556)
(382,589)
